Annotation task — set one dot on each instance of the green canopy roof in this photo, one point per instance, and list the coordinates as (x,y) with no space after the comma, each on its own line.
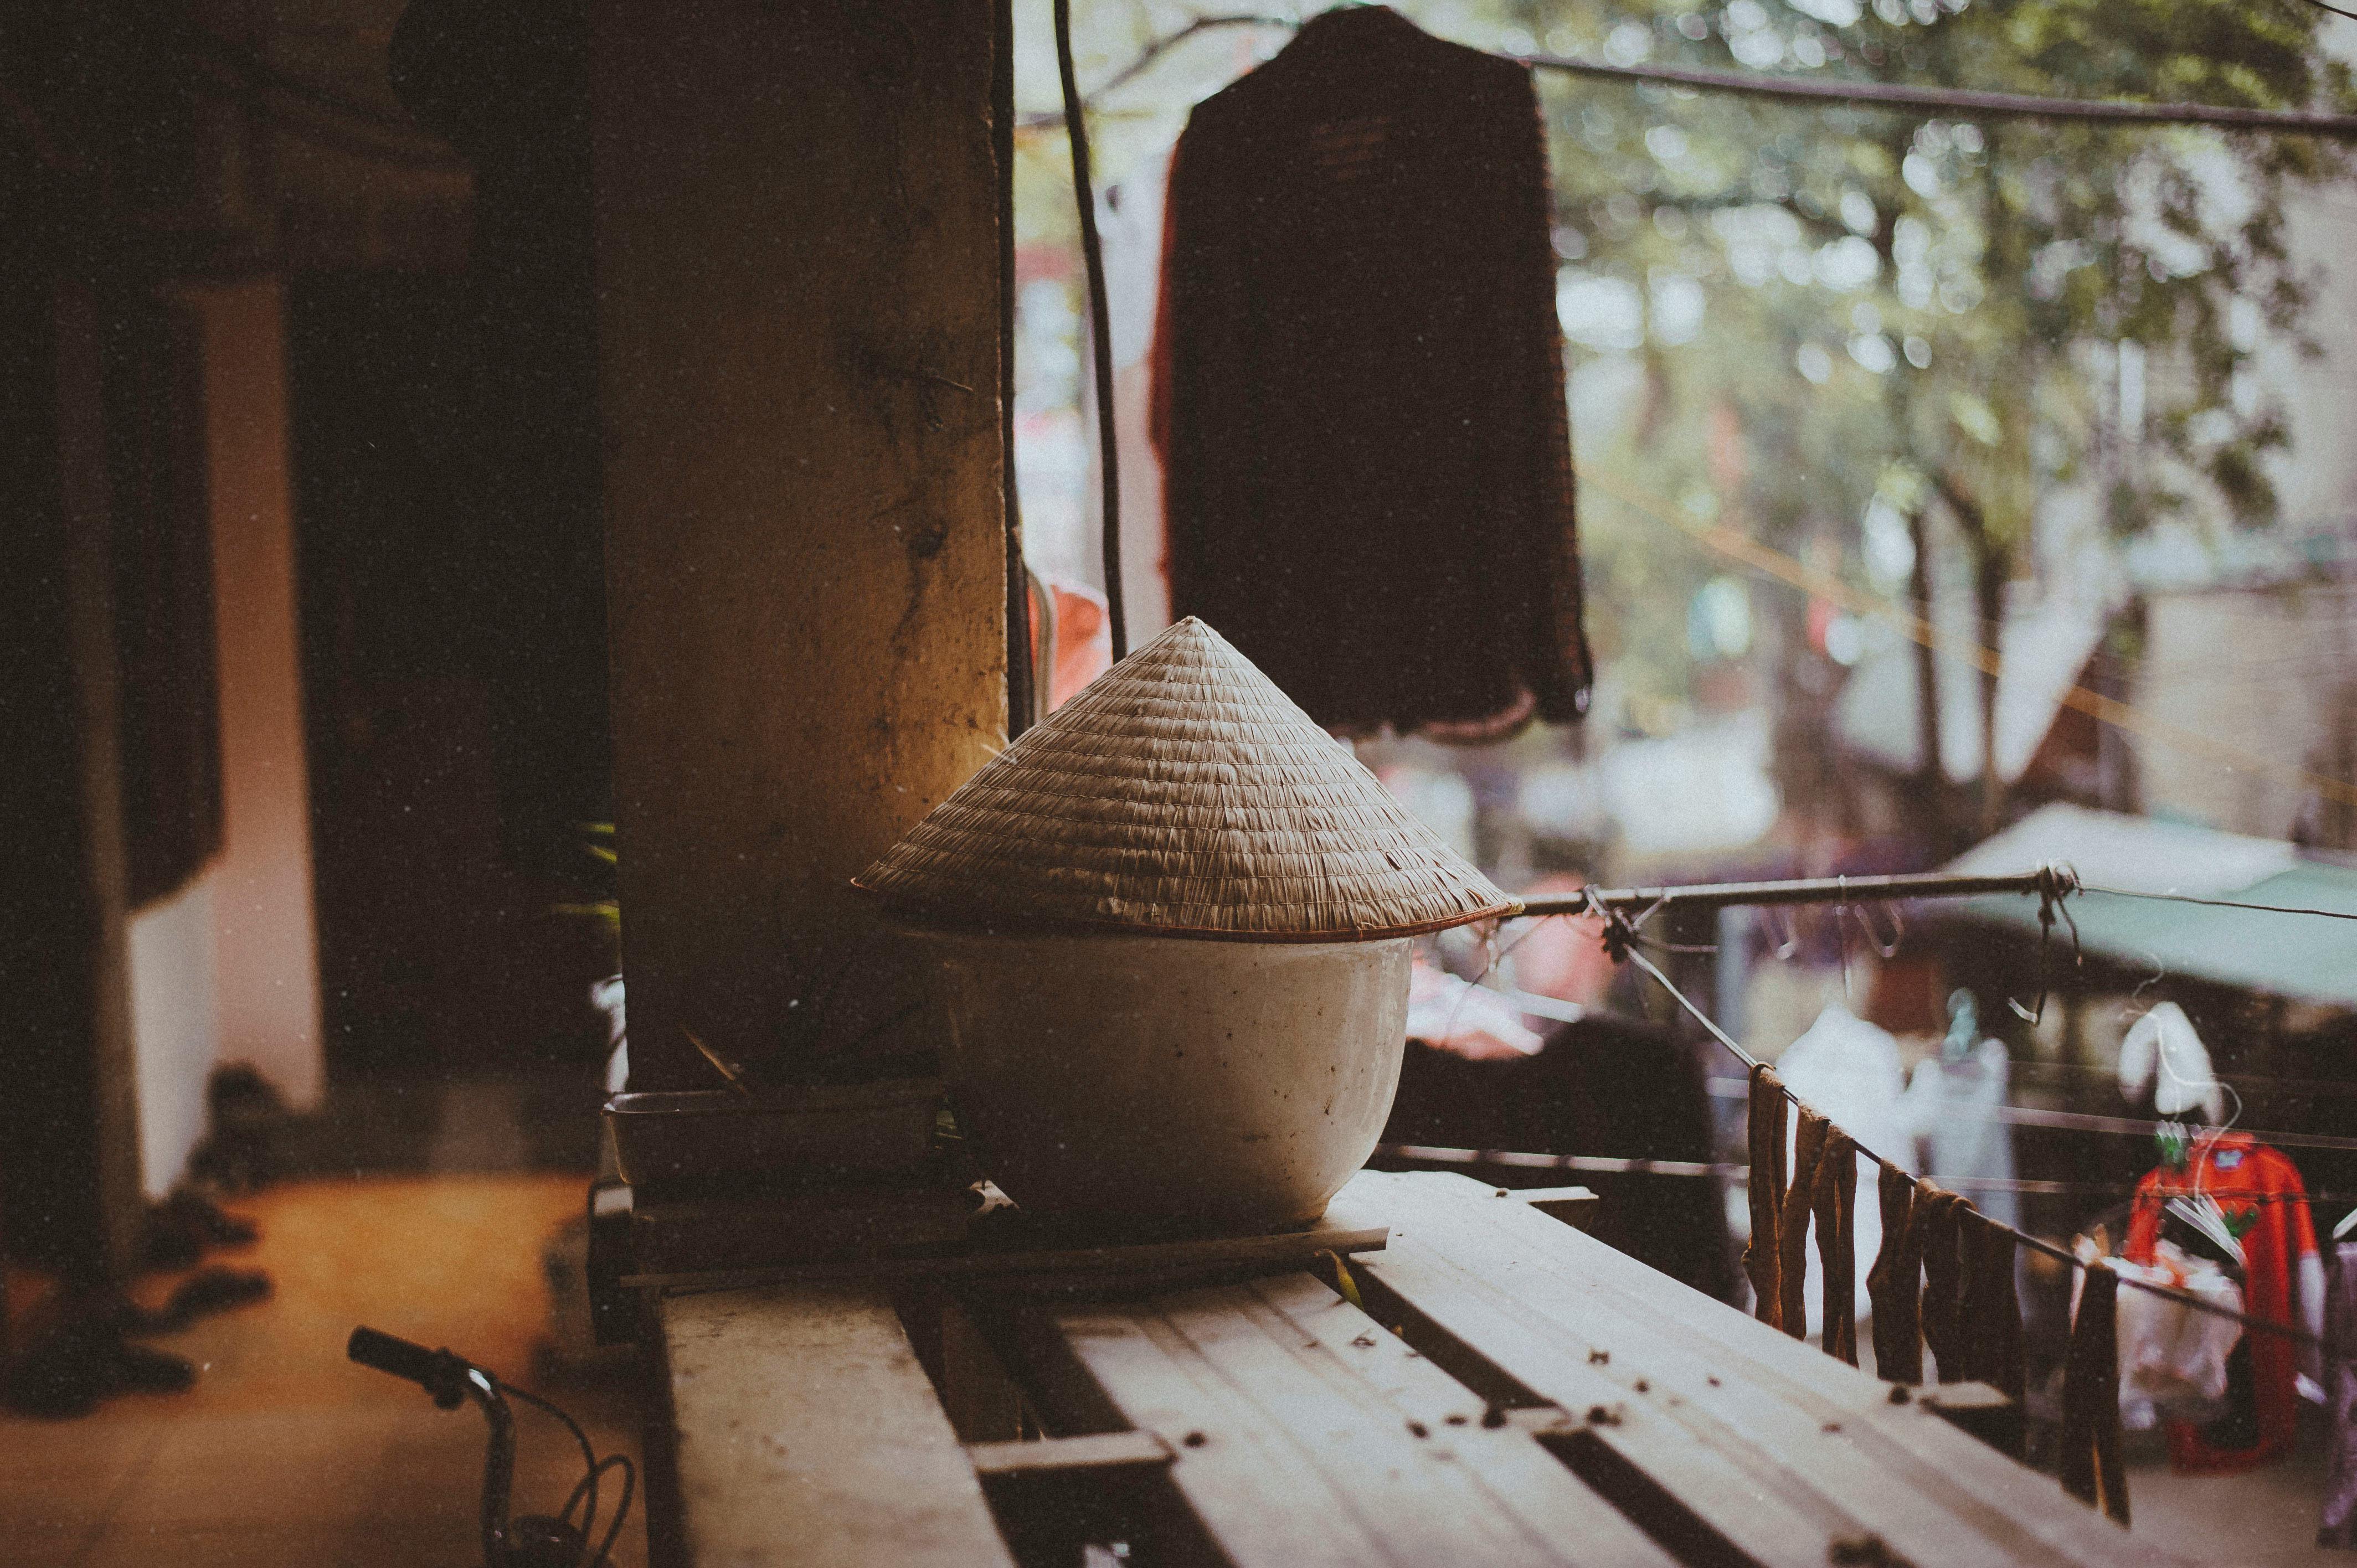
(2299,956)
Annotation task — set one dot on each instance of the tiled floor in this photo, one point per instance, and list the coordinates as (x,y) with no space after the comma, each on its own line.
(284,1453)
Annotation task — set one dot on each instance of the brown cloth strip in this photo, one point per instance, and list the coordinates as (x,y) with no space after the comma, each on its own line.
(1989,1319)
(1835,1201)
(1991,1307)
(2091,1399)
(1793,1224)
(1893,1283)
(1759,1253)
(1935,1241)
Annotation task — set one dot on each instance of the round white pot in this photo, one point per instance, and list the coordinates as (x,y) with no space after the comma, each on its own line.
(1167,1079)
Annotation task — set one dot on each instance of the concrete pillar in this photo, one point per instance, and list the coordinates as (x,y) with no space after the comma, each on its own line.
(797,257)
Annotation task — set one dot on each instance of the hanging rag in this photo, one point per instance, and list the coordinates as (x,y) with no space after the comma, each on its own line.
(1793,1224)
(2339,1524)
(1893,1282)
(2090,1450)
(1767,1138)
(1989,1318)
(1358,388)
(1835,1203)
(1935,1240)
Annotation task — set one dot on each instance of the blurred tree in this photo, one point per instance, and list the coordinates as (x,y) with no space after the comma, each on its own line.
(1808,324)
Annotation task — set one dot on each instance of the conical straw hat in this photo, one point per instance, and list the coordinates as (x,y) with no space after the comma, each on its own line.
(1181,793)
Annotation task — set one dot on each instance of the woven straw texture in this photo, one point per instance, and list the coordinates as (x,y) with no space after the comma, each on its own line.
(1182,793)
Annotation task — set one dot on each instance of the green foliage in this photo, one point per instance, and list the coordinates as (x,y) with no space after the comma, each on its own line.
(1884,291)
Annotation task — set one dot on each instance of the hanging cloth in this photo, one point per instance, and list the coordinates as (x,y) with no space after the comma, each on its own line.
(2339,1524)
(1893,1282)
(1951,1110)
(1848,1069)
(1767,1138)
(1792,1223)
(1359,385)
(1935,1241)
(2090,1444)
(1989,1317)
(1836,1207)
(2257,1186)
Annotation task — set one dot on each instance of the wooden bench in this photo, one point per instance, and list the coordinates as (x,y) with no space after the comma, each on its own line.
(1506,1391)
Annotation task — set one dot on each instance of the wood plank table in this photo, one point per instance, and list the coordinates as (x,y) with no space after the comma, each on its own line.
(1503,1390)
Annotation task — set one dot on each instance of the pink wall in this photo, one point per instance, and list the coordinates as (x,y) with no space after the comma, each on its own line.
(268,976)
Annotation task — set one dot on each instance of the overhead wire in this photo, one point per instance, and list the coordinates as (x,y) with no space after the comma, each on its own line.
(2082,1122)
(2259,1083)
(1084,199)
(1967,103)
(2218,903)
(1612,1164)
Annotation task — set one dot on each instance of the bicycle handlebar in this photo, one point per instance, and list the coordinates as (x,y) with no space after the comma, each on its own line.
(438,1372)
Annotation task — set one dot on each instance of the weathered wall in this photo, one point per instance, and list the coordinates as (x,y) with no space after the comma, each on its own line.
(797,270)
(2271,673)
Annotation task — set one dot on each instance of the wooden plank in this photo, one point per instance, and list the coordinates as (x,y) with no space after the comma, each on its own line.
(1724,1498)
(1098,1451)
(1265,1500)
(1305,1434)
(1294,1248)
(807,1434)
(1832,1431)
(1520,1478)
(1404,1477)
(2005,1500)
(1879,1484)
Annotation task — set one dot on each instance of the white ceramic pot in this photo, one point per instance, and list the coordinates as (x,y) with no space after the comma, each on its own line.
(1174,1080)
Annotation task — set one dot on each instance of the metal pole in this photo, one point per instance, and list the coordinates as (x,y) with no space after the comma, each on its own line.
(1810,890)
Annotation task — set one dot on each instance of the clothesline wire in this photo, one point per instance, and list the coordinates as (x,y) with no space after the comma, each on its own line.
(2021,1238)
(2088,1122)
(2263,1083)
(2218,903)
(1612,1164)
(1964,101)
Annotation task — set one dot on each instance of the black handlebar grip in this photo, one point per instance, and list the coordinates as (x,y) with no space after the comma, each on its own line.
(427,1368)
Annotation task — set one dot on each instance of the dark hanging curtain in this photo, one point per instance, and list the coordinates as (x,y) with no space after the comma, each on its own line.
(168,706)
